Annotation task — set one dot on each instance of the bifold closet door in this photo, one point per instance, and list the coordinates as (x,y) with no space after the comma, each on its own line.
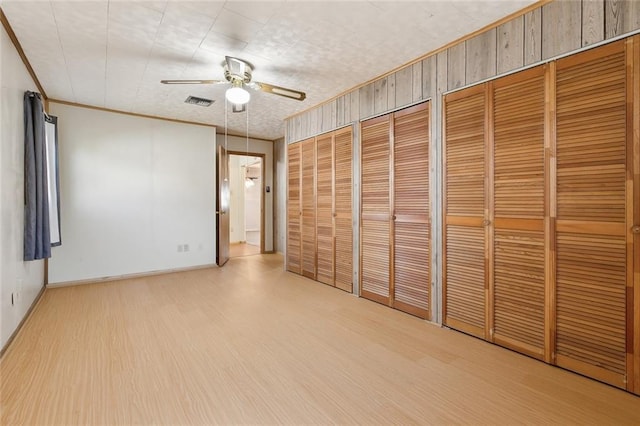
(411,233)
(343,225)
(395,223)
(518,212)
(465,264)
(375,225)
(308,202)
(294,261)
(594,214)
(324,209)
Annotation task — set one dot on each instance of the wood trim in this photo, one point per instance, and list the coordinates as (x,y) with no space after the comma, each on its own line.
(629,213)
(46,260)
(130,276)
(519,224)
(333,205)
(599,228)
(464,221)
(263,224)
(636,215)
(262,203)
(550,209)
(23,56)
(489,212)
(45,279)
(315,207)
(374,297)
(359,159)
(412,218)
(410,309)
(285,253)
(300,206)
(134,114)
(392,209)
(156,117)
(237,135)
(518,346)
(465,328)
(590,370)
(443,208)
(26,317)
(433,53)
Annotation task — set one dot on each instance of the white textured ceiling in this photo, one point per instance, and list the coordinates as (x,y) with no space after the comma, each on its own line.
(113,54)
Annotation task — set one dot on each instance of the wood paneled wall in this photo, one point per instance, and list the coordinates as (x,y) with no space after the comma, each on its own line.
(557,28)
(553,29)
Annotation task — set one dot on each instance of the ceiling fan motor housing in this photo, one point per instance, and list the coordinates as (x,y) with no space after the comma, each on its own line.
(237,70)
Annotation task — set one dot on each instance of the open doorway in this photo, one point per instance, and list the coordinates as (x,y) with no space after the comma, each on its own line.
(246,206)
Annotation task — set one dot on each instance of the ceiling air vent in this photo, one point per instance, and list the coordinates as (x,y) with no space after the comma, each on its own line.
(198,101)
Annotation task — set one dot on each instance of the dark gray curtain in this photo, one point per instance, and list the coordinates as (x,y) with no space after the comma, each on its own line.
(36,218)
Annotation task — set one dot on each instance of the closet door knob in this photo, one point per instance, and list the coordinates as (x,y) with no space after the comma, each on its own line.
(486,222)
(636,229)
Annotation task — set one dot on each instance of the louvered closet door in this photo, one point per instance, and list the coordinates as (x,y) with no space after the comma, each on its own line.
(308,226)
(592,222)
(375,224)
(464,204)
(411,214)
(324,209)
(519,211)
(294,261)
(343,211)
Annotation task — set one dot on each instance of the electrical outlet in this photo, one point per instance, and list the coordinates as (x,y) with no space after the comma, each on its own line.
(180,248)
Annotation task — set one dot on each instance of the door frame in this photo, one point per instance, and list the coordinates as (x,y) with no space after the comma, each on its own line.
(262,157)
(222,175)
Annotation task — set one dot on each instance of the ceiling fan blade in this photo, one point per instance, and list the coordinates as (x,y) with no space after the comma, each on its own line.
(277,90)
(192,81)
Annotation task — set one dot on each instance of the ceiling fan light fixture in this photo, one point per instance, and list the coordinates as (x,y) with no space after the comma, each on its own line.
(237,95)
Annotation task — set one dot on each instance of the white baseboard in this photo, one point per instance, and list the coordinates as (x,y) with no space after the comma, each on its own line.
(129,276)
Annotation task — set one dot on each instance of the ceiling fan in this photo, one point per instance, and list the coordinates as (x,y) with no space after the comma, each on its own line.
(238,73)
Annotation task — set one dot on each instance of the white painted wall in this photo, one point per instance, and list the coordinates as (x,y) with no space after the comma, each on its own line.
(239,144)
(132,190)
(24,279)
(236,204)
(252,201)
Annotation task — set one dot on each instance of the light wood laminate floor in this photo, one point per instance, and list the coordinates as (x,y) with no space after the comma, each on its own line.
(250,343)
(243,249)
